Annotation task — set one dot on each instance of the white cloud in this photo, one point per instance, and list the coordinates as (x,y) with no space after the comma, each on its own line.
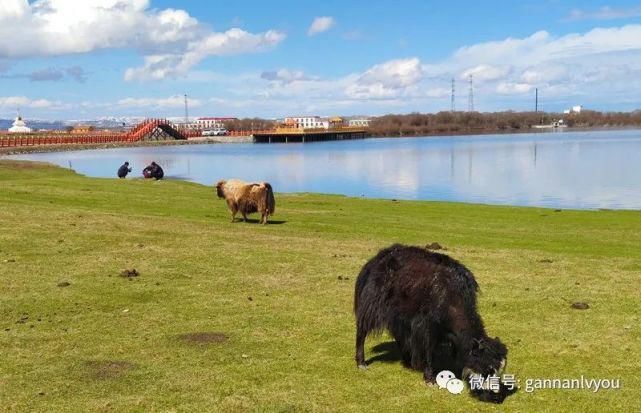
(176,101)
(604,13)
(438,92)
(545,73)
(14,102)
(320,25)
(233,41)
(486,72)
(171,40)
(285,76)
(571,68)
(600,65)
(509,88)
(387,80)
(600,68)
(541,47)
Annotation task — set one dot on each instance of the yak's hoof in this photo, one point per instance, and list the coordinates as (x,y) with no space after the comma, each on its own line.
(430,381)
(362,366)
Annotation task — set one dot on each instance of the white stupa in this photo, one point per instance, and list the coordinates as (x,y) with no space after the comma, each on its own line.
(19,126)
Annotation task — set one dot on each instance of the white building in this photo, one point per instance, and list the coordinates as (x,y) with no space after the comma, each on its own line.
(307,122)
(573,109)
(359,123)
(19,126)
(207,123)
(212,123)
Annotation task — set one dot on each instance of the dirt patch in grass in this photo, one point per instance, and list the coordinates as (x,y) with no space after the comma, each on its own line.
(129,273)
(203,337)
(108,369)
(580,305)
(435,246)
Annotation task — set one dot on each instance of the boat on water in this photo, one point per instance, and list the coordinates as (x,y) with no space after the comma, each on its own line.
(554,125)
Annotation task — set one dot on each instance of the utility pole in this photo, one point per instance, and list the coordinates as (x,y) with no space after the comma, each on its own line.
(453,108)
(536,100)
(470,97)
(186,111)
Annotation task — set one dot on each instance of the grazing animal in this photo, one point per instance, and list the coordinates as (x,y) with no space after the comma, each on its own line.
(427,301)
(247,198)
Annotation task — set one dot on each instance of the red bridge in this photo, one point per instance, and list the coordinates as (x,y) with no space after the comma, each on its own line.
(147,130)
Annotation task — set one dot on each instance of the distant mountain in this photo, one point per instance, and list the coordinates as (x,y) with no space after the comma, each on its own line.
(99,123)
(34,124)
(107,122)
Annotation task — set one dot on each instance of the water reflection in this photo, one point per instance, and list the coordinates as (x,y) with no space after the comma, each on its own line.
(569,170)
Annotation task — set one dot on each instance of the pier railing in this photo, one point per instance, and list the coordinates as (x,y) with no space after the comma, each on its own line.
(147,129)
(140,132)
(15,140)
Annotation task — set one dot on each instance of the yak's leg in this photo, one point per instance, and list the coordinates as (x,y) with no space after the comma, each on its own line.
(244,216)
(422,346)
(401,331)
(233,209)
(361,333)
(430,345)
(264,219)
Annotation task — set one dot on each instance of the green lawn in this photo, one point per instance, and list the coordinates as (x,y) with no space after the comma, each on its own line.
(276,300)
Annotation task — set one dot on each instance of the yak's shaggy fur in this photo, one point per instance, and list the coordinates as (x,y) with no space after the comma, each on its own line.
(427,301)
(247,198)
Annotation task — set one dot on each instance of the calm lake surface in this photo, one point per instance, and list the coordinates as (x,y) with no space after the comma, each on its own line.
(560,170)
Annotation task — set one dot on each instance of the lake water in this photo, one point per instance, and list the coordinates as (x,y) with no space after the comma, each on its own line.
(560,170)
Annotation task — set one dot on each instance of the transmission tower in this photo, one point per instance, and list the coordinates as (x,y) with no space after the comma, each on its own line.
(453,91)
(470,97)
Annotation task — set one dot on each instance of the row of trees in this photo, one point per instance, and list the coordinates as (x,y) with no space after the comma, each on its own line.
(441,123)
(248,124)
(418,124)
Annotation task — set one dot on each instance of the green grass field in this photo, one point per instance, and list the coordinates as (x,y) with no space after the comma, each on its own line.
(242,317)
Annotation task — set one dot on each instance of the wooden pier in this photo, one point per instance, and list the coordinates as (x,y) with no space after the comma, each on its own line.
(147,130)
(286,135)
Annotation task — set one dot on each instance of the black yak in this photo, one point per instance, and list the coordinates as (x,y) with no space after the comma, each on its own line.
(247,198)
(427,302)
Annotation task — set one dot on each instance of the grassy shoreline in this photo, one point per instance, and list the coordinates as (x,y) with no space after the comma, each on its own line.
(89,146)
(267,309)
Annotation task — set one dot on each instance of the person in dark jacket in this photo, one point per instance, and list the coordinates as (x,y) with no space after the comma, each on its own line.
(147,171)
(124,170)
(158,173)
(153,171)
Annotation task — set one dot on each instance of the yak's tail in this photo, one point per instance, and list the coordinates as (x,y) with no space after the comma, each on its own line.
(270,202)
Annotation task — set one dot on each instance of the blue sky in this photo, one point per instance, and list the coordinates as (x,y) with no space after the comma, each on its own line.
(64,59)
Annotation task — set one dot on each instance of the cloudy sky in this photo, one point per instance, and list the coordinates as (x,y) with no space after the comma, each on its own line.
(68,59)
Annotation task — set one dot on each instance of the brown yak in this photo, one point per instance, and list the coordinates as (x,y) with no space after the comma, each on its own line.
(247,198)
